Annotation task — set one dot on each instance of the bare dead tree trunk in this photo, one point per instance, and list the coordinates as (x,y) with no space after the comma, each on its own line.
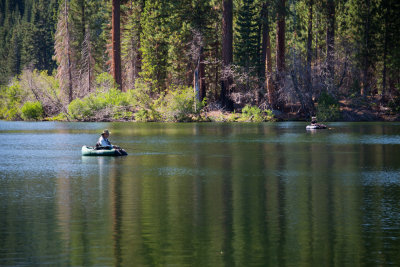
(70,89)
(197,52)
(87,61)
(227,50)
(202,77)
(116,43)
(330,39)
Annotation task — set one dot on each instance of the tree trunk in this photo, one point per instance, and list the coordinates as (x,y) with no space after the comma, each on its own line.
(202,76)
(309,42)
(198,82)
(70,88)
(266,53)
(385,50)
(216,71)
(116,43)
(316,37)
(227,51)
(138,63)
(330,39)
(366,63)
(280,37)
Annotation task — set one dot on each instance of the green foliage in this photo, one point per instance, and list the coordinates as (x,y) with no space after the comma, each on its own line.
(328,108)
(154,44)
(10,101)
(105,82)
(246,38)
(59,117)
(255,114)
(394,105)
(32,111)
(78,110)
(180,105)
(100,106)
(146,107)
(26,36)
(146,115)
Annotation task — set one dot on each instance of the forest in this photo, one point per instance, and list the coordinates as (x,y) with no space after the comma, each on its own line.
(199,60)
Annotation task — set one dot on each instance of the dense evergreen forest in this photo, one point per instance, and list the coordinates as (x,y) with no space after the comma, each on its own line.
(150,60)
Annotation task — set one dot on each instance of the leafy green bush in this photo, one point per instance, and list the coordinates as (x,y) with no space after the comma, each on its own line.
(32,111)
(255,114)
(269,114)
(394,105)
(79,110)
(105,82)
(328,108)
(180,105)
(59,117)
(140,98)
(145,115)
(10,101)
(101,105)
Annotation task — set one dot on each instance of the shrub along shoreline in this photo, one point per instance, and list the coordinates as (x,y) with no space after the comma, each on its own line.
(35,96)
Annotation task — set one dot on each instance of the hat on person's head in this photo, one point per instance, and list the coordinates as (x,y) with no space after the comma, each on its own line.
(105,132)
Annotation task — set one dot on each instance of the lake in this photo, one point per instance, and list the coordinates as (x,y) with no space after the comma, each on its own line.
(208,194)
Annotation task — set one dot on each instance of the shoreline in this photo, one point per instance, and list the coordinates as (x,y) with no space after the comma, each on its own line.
(347,116)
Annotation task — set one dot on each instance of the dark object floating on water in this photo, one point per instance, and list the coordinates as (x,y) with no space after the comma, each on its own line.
(316,126)
(93,151)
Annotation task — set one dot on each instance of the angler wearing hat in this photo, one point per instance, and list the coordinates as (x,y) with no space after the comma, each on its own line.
(103,141)
(313,120)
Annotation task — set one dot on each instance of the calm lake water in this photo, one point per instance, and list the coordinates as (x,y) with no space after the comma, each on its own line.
(268,194)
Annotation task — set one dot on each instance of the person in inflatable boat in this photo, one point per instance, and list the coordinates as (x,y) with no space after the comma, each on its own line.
(103,141)
(314,120)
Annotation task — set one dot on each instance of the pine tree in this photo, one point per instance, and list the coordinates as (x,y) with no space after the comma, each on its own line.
(14,55)
(42,18)
(154,45)
(246,43)
(87,64)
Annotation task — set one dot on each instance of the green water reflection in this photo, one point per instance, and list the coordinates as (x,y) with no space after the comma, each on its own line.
(201,195)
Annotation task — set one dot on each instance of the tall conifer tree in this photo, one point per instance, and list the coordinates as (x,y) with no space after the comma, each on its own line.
(246,44)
